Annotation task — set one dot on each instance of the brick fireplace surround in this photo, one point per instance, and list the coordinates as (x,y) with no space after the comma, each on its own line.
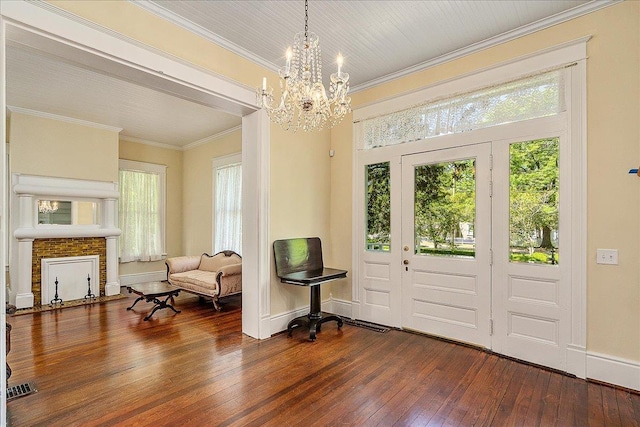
(32,241)
(69,247)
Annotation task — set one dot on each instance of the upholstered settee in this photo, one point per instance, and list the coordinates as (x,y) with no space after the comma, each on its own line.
(210,276)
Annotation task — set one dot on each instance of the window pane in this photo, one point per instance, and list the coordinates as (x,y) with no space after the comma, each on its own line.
(139,216)
(378,233)
(531,97)
(534,201)
(445,209)
(228,214)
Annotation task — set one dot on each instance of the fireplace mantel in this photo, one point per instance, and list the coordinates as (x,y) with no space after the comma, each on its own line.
(27,190)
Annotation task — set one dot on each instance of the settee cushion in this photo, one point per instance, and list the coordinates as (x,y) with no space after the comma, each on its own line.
(197,280)
(216,262)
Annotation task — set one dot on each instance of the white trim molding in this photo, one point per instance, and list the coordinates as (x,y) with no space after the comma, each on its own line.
(65,119)
(26,191)
(570,56)
(613,370)
(279,322)
(135,278)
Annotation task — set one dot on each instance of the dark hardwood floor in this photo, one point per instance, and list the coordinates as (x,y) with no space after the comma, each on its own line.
(103,365)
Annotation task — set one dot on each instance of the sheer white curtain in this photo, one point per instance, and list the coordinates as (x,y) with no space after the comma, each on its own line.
(228,208)
(139,216)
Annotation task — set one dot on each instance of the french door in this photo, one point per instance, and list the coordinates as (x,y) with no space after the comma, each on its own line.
(471,247)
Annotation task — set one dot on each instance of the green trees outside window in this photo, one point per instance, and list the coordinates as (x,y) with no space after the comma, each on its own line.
(534,201)
(445,208)
(378,233)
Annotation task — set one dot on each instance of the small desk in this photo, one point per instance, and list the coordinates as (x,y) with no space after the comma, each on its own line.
(299,262)
(152,292)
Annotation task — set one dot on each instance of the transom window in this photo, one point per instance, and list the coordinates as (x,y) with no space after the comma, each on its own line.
(541,95)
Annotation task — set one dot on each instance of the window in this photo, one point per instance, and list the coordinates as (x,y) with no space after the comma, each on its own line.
(227,203)
(536,96)
(378,233)
(142,211)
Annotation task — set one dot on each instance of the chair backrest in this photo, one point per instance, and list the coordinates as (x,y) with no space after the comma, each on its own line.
(301,254)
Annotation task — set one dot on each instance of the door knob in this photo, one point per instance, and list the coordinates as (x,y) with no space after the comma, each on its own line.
(405,262)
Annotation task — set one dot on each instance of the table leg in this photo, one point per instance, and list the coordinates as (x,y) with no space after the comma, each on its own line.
(135,302)
(161,304)
(315,318)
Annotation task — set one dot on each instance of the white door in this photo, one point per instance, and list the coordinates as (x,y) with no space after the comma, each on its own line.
(446,243)
(531,232)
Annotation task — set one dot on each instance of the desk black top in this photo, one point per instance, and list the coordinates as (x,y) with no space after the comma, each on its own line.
(313,277)
(299,262)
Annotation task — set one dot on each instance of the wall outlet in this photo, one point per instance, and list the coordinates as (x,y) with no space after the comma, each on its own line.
(607,256)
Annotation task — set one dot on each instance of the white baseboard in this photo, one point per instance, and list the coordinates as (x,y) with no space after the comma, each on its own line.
(577,361)
(341,307)
(152,276)
(280,321)
(613,370)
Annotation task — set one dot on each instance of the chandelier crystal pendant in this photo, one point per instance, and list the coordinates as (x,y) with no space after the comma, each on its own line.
(304,102)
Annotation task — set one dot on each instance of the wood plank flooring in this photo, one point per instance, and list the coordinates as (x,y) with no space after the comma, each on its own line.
(102,365)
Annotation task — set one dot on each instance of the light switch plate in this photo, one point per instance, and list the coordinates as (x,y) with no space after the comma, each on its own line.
(607,256)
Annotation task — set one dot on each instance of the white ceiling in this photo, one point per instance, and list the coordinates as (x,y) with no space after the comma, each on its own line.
(380,40)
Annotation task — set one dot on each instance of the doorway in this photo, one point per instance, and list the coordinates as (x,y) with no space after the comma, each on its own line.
(478,255)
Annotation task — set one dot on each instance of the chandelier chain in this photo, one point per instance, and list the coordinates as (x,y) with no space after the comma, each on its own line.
(306,20)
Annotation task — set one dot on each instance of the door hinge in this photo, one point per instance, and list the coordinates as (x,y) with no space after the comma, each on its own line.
(490,256)
(490,188)
(490,327)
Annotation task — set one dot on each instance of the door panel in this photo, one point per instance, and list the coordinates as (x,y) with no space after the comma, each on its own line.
(531,287)
(446,231)
(379,247)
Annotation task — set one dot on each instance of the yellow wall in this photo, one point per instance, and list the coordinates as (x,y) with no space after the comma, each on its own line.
(198,192)
(47,147)
(613,133)
(613,317)
(300,197)
(172,159)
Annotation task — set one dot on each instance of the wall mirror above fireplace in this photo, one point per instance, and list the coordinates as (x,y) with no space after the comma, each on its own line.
(67,212)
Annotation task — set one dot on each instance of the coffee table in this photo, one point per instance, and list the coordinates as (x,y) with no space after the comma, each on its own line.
(153,292)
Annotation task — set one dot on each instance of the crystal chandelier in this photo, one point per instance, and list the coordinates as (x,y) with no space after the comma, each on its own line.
(47,206)
(304,102)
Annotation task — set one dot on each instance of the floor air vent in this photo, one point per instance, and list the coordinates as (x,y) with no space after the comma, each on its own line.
(20,390)
(367,325)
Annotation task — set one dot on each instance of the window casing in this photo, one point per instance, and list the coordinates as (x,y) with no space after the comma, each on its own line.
(142,210)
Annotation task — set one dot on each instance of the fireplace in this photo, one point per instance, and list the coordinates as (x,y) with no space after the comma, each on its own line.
(34,241)
(67,278)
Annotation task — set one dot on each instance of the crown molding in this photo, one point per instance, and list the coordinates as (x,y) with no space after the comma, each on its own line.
(186,147)
(95,26)
(167,15)
(493,41)
(151,143)
(212,138)
(26,111)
